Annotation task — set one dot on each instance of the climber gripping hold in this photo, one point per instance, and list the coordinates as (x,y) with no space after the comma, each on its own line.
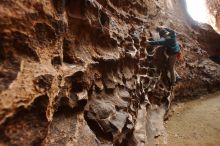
(168,40)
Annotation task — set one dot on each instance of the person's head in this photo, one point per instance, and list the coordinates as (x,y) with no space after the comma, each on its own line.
(163,33)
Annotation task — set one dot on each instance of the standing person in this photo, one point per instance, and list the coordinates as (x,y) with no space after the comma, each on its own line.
(168,40)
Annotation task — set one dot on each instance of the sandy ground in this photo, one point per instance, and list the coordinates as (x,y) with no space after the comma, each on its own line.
(195,123)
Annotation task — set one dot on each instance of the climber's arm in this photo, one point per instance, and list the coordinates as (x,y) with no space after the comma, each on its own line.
(172,32)
(157,43)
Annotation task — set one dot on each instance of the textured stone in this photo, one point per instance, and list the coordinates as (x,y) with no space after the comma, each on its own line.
(78,72)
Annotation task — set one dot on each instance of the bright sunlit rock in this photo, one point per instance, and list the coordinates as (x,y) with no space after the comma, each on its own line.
(198,10)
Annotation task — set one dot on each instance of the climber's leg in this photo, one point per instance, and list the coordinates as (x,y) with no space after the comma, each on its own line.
(171,67)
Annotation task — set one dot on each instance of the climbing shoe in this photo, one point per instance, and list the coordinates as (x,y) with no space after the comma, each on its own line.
(178,78)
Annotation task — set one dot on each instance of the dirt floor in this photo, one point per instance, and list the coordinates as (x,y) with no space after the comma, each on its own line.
(195,123)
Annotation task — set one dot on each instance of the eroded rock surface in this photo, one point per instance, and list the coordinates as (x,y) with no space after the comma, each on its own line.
(213,7)
(77,72)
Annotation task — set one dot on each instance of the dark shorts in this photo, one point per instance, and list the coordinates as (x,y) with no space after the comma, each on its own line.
(171,52)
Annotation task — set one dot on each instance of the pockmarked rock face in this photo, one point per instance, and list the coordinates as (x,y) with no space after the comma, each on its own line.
(78,72)
(213,7)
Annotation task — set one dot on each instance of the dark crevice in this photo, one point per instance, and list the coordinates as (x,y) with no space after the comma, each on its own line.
(81,104)
(100,133)
(60,26)
(103,18)
(27,126)
(56,61)
(59,5)
(77,8)
(68,52)
(25,49)
(216,59)
(2,51)
(9,70)
(77,82)
(63,107)
(44,33)
(19,42)
(77,87)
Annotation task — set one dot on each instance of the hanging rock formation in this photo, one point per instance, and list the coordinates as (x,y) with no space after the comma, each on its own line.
(76,72)
(213,7)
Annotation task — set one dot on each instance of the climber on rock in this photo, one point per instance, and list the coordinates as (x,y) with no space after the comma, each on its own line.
(168,40)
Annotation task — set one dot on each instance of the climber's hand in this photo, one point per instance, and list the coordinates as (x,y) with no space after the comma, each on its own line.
(148,42)
(159,28)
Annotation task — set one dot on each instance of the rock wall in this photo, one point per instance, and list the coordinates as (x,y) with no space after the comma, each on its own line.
(199,42)
(78,73)
(213,7)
